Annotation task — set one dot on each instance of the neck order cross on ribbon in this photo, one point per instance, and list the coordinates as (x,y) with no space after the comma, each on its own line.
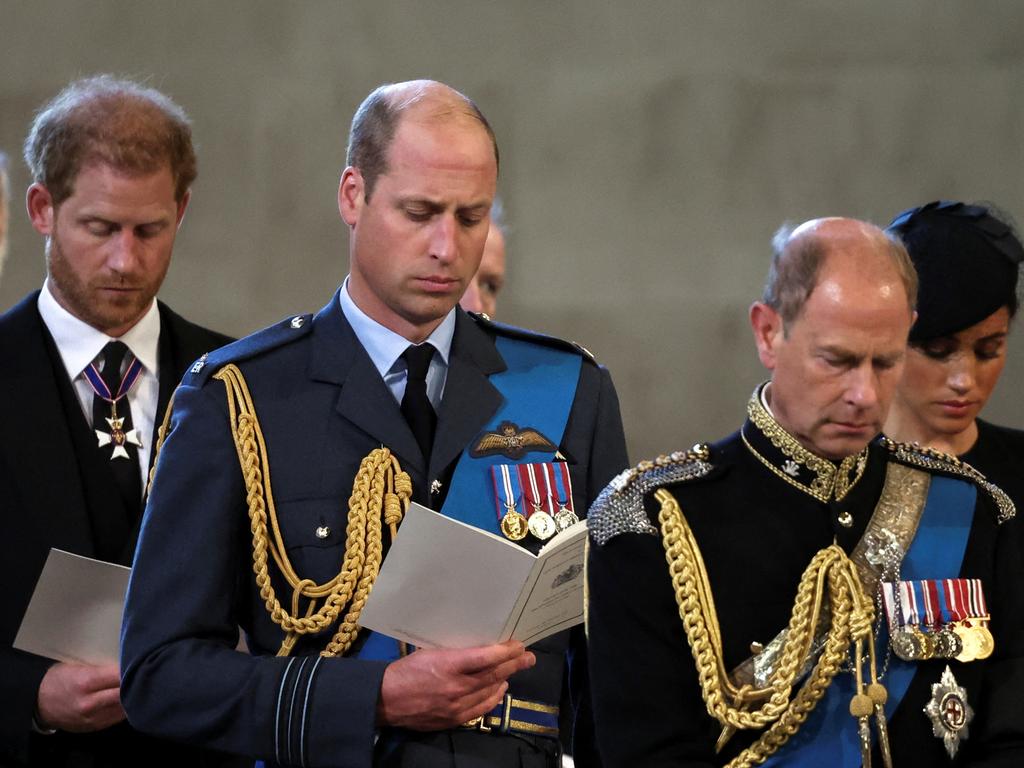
(117,436)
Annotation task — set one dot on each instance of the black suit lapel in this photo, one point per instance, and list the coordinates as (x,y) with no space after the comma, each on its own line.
(181,343)
(169,379)
(469,397)
(38,437)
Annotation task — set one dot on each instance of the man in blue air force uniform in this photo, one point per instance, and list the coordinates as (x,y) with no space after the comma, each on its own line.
(698,656)
(389,363)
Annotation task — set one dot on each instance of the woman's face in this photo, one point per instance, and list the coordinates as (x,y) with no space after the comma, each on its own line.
(947,380)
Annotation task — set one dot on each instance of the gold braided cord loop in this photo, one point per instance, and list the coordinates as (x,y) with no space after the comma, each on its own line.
(847,612)
(380,488)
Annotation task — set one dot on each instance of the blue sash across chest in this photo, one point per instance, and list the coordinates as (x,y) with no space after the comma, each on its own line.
(538,389)
(829,737)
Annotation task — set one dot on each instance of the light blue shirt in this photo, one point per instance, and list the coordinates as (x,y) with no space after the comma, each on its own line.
(385,348)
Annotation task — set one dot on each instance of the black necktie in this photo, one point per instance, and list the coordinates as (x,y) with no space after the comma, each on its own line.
(416,407)
(125,471)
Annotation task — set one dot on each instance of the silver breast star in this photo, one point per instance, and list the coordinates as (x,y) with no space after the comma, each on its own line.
(949,712)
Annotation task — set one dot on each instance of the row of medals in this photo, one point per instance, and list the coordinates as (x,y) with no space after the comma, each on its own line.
(515,525)
(964,641)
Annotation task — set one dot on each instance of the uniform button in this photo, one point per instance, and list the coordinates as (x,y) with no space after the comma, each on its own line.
(845,519)
(322,532)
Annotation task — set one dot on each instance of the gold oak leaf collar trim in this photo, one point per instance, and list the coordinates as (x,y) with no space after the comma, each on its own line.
(783,455)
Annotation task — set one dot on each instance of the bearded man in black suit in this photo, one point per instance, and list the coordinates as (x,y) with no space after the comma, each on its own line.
(90,362)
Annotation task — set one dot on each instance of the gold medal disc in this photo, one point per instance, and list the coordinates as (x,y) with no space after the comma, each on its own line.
(927,643)
(970,643)
(513,525)
(985,642)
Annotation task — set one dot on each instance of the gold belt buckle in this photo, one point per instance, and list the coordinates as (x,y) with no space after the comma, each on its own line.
(479,723)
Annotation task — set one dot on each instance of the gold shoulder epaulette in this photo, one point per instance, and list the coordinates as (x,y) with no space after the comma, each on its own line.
(936,461)
(620,506)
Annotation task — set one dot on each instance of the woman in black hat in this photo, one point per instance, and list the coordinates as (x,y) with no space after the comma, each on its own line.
(967,261)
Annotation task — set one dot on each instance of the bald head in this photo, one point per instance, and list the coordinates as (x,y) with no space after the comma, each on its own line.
(378,117)
(859,249)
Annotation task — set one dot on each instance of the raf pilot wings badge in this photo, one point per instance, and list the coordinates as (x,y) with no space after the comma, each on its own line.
(511,441)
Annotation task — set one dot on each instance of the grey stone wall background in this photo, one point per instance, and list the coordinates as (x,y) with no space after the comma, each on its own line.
(649,150)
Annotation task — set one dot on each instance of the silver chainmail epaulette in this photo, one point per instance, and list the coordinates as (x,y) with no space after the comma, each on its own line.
(931,459)
(620,506)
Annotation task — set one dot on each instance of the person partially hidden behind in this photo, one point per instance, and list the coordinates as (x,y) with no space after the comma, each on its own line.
(293,453)
(482,293)
(803,592)
(90,362)
(968,260)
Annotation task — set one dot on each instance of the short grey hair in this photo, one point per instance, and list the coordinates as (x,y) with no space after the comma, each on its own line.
(795,264)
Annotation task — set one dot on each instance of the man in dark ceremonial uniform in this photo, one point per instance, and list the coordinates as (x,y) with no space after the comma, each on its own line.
(279,474)
(748,597)
(89,364)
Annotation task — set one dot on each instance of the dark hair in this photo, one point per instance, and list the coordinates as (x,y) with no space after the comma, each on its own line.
(1013,231)
(376,120)
(117,122)
(968,257)
(793,271)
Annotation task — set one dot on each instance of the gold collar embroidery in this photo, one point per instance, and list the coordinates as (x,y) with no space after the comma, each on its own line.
(812,474)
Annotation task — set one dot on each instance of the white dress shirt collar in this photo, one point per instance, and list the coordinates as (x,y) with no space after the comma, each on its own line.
(764,398)
(79,343)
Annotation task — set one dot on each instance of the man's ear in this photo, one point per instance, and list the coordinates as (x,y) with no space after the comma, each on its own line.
(39,204)
(769,332)
(351,195)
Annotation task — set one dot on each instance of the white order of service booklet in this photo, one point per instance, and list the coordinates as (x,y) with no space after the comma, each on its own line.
(75,611)
(446,584)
